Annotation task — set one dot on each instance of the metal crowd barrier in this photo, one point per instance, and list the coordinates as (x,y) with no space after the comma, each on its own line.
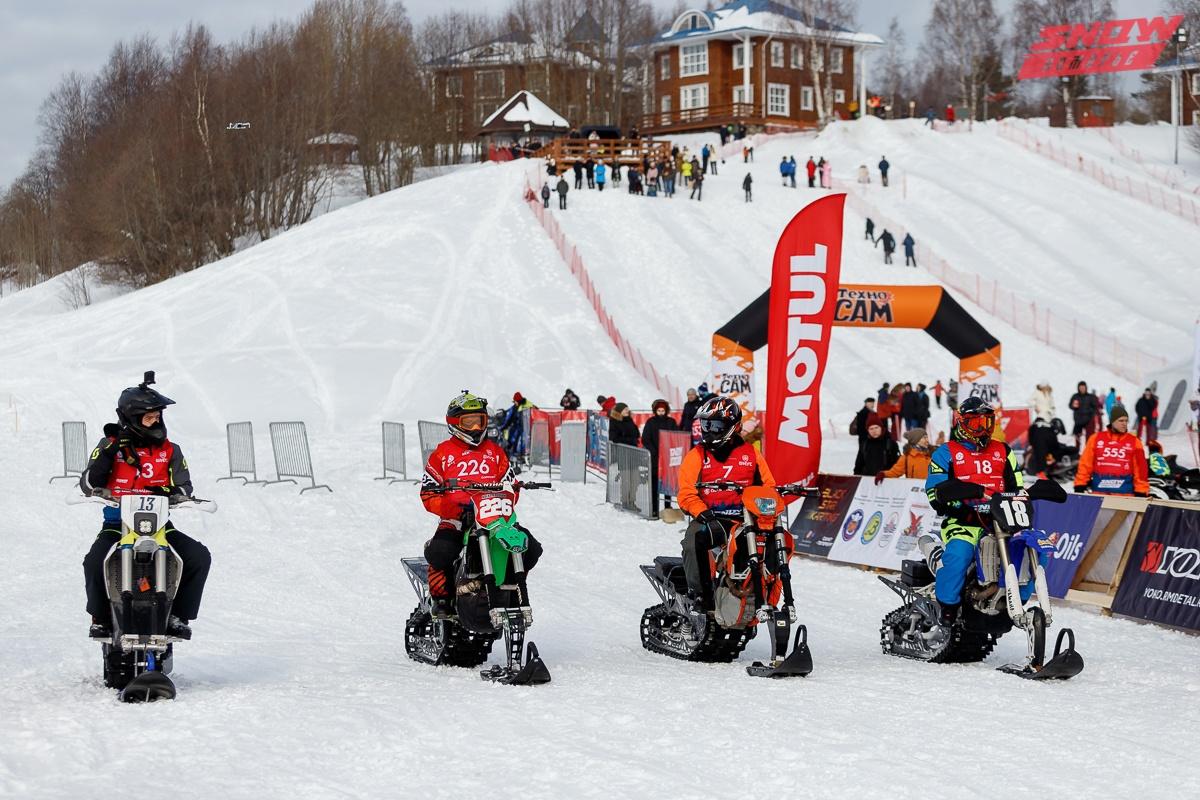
(629,479)
(539,445)
(573,452)
(75,450)
(289,441)
(239,437)
(431,434)
(393,453)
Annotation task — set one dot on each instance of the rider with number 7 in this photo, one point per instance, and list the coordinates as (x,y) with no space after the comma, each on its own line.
(467,457)
(972,459)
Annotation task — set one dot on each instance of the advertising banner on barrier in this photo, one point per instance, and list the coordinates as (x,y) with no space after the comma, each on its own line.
(817,521)
(554,419)
(883,523)
(1070,524)
(672,447)
(1162,576)
(1016,427)
(804,289)
(597,441)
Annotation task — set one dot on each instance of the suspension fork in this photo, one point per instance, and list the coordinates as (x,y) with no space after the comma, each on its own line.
(756,564)
(1012,589)
(485,563)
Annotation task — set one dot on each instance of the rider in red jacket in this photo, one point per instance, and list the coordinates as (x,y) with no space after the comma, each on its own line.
(467,457)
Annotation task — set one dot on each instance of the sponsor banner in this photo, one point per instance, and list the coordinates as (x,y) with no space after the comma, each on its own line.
(597,441)
(733,373)
(1070,525)
(553,420)
(1117,45)
(1162,576)
(672,447)
(883,523)
(979,376)
(1016,423)
(804,290)
(816,523)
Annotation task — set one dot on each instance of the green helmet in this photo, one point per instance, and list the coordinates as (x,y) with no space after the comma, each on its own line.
(467,418)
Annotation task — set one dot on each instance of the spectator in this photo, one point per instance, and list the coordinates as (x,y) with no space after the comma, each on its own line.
(876,452)
(562,193)
(1042,401)
(606,403)
(697,186)
(811,168)
(889,245)
(914,463)
(545,194)
(569,401)
(659,422)
(615,173)
(746,181)
(910,250)
(884,391)
(690,407)
(871,230)
(686,171)
(668,179)
(930,116)
(712,161)
(621,427)
(577,167)
(858,426)
(1146,409)
(589,167)
(824,169)
(704,393)
(1110,400)
(783,170)
(1083,410)
(792,170)
(652,181)
(952,395)
(864,174)
(883,170)
(601,176)
(938,390)
(704,155)
(910,409)
(949,114)
(922,407)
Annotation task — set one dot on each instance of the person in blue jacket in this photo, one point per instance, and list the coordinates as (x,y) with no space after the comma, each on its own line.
(968,469)
(601,176)
(883,169)
(909,249)
(783,170)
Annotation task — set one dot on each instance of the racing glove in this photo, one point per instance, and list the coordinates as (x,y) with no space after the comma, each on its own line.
(1081,489)
(879,476)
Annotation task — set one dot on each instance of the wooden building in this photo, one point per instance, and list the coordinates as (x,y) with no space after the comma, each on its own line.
(469,85)
(750,62)
(1185,70)
(1092,111)
(335,148)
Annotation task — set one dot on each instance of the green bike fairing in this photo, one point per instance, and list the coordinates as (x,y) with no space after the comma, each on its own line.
(504,537)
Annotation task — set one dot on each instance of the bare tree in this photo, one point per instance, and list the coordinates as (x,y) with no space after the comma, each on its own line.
(962,34)
(1030,16)
(823,21)
(895,69)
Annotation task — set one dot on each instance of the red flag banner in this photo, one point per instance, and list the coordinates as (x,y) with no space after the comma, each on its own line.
(804,293)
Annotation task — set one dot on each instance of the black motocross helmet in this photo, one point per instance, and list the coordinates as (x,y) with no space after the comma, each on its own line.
(135,402)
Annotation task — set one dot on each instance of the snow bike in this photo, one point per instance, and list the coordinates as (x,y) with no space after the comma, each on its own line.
(490,597)
(141,574)
(750,575)
(1184,487)
(1005,560)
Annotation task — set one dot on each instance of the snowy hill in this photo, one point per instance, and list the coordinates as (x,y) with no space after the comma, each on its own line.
(296,683)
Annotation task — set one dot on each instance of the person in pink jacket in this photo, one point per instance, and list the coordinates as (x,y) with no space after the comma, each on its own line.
(827,175)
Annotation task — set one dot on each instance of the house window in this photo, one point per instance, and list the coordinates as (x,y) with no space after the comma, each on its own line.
(806,98)
(453,122)
(664,68)
(536,81)
(741,95)
(664,105)
(776,54)
(489,83)
(693,96)
(1196,118)
(1196,83)
(483,110)
(739,55)
(797,56)
(693,59)
(836,55)
(778,97)
(839,95)
(454,86)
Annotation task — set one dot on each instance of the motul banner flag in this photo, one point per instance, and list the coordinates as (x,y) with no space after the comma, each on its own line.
(1162,576)
(804,293)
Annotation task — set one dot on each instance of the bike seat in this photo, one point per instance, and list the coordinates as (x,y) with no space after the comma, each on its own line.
(667,563)
(670,569)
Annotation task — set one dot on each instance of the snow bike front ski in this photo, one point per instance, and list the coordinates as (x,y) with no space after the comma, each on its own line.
(490,599)
(1006,559)
(141,575)
(751,576)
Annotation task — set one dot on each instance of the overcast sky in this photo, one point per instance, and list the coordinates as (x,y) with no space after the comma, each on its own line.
(41,40)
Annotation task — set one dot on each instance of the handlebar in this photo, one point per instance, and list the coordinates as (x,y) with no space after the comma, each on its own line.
(786,489)
(453,485)
(196,503)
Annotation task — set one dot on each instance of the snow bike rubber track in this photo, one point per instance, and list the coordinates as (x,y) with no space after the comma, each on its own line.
(719,645)
(963,647)
(461,647)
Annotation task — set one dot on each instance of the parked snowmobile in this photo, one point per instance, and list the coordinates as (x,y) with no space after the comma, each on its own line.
(490,597)
(141,573)
(1005,560)
(1184,486)
(750,576)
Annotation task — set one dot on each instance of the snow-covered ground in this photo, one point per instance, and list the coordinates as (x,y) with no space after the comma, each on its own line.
(296,684)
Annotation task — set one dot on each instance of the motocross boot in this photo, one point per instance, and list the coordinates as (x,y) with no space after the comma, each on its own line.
(178,628)
(441,608)
(101,629)
(948,614)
